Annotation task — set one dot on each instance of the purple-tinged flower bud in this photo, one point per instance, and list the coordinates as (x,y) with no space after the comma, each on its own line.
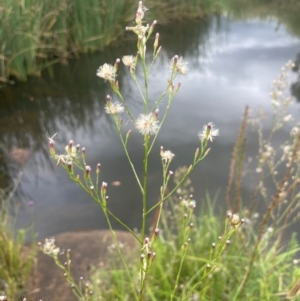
(156,231)
(149,255)
(87,172)
(138,18)
(51,147)
(147,240)
(70,145)
(152,28)
(70,167)
(155,113)
(171,172)
(142,257)
(153,256)
(77,148)
(108,98)
(242,220)
(178,86)
(117,62)
(103,187)
(83,153)
(175,60)
(161,150)
(98,169)
(156,41)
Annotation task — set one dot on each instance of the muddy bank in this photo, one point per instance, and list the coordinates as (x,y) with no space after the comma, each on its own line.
(88,249)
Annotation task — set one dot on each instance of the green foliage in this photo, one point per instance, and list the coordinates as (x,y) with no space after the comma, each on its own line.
(15,261)
(272,276)
(34,34)
(183,257)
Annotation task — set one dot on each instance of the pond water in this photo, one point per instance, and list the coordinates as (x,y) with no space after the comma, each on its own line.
(232,64)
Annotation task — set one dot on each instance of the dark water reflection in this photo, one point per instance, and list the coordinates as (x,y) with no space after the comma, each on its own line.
(232,64)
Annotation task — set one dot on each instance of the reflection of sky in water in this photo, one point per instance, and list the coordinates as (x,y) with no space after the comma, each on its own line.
(237,70)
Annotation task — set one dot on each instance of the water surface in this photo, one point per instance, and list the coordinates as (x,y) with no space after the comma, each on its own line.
(232,64)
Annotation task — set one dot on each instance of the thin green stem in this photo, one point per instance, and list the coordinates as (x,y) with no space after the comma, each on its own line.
(120,253)
(145,171)
(124,143)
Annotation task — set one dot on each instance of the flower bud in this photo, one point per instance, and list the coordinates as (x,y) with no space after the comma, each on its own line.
(117,62)
(51,147)
(156,41)
(70,167)
(152,28)
(235,220)
(103,187)
(70,145)
(87,172)
(98,169)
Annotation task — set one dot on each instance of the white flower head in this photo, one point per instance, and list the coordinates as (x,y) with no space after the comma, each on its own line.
(129,61)
(209,132)
(167,155)
(179,65)
(107,72)
(49,247)
(114,108)
(147,124)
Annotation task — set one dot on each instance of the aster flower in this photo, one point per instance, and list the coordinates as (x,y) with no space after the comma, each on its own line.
(107,72)
(114,108)
(129,61)
(179,65)
(147,124)
(49,247)
(167,155)
(209,132)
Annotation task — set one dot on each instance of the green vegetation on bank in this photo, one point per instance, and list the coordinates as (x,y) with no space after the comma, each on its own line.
(15,260)
(273,275)
(35,34)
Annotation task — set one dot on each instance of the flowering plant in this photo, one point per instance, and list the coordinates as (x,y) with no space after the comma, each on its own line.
(148,123)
